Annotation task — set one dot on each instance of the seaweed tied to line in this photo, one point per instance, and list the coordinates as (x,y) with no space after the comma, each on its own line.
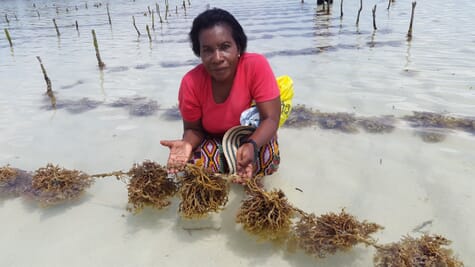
(149,185)
(331,232)
(201,192)
(426,250)
(265,214)
(53,185)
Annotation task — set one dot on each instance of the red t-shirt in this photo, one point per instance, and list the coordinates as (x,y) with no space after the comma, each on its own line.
(254,80)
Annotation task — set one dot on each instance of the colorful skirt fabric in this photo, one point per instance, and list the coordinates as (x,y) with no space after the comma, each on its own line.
(210,155)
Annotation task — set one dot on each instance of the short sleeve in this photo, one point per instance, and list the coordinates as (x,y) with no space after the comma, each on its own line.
(264,86)
(188,102)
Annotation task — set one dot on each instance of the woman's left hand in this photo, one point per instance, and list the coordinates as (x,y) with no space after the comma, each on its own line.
(245,163)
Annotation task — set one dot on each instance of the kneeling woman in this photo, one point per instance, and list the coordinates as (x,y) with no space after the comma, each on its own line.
(214,94)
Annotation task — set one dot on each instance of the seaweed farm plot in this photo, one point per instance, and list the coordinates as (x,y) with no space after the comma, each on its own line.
(380,139)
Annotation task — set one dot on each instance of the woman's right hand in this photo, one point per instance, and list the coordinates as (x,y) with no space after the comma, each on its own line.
(180,153)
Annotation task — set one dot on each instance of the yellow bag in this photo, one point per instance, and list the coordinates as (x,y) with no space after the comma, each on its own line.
(286,87)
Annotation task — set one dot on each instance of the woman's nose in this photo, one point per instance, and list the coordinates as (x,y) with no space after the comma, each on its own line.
(217,56)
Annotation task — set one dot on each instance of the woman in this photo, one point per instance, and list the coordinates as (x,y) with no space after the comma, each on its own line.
(213,95)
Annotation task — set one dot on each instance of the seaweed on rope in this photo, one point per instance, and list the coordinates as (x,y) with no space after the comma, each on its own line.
(265,214)
(53,185)
(149,185)
(423,251)
(331,232)
(201,192)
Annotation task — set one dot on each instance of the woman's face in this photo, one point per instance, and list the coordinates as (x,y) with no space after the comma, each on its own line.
(219,52)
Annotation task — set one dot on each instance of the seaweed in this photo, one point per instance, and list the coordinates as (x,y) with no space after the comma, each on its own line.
(13,182)
(53,185)
(172,114)
(345,122)
(431,120)
(331,232)
(383,124)
(265,214)
(201,192)
(149,186)
(301,117)
(424,251)
(138,106)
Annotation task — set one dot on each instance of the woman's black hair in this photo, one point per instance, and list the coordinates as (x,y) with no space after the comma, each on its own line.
(213,17)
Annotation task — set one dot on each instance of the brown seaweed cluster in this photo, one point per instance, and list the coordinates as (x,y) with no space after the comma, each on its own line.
(345,122)
(383,124)
(7,175)
(201,192)
(53,185)
(301,117)
(266,214)
(149,186)
(426,251)
(430,120)
(13,182)
(331,232)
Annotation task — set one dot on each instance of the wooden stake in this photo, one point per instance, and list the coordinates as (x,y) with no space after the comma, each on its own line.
(166,10)
(6,19)
(98,56)
(109,14)
(49,90)
(341,9)
(148,33)
(184,6)
(135,26)
(8,37)
(359,12)
(189,3)
(374,18)
(77,26)
(158,12)
(153,20)
(37,12)
(389,4)
(56,27)
(409,32)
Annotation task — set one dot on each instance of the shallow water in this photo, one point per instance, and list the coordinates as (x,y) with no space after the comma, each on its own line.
(107,120)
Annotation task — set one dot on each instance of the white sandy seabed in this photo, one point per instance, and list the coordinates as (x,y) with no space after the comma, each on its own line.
(395,180)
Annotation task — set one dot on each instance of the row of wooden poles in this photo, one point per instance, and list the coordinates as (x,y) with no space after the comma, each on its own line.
(151,12)
(327,4)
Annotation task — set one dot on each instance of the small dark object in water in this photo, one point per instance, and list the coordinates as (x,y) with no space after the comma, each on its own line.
(331,232)
(150,186)
(53,185)
(424,251)
(384,124)
(342,121)
(201,192)
(266,214)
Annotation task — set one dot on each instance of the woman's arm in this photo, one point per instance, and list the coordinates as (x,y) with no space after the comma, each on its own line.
(181,150)
(269,112)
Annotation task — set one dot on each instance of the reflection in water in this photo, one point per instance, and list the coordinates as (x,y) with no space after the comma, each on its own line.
(383,124)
